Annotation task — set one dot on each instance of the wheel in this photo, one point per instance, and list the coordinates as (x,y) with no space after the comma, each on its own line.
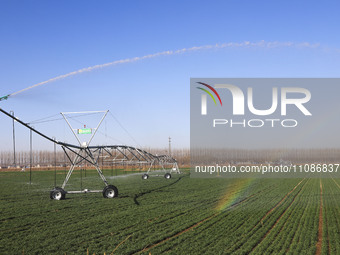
(145,176)
(167,176)
(110,191)
(57,193)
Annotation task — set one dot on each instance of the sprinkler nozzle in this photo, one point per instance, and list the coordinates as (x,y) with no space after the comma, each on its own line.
(4,98)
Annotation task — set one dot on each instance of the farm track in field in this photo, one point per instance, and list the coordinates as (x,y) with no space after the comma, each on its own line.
(320,228)
(326,229)
(282,214)
(279,203)
(336,183)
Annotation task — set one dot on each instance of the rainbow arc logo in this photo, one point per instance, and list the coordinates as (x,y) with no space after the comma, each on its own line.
(209,93)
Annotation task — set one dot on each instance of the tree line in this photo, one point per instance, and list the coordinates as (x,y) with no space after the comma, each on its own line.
(184,157)
(45,158)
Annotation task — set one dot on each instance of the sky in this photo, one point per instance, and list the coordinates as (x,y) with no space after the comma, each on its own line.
(150,97)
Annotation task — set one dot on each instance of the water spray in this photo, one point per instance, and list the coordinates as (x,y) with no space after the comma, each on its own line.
(246,44)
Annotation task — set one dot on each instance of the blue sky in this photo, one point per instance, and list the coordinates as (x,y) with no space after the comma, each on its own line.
(44,39)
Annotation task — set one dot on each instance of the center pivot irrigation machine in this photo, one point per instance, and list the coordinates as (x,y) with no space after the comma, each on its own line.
(114,154)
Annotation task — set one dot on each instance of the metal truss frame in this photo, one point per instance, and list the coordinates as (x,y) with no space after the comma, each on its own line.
(115,154)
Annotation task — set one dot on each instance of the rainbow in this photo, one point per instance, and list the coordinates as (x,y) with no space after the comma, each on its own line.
(232,193)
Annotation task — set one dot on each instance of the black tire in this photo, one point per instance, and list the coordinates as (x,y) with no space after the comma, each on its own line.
(145,176)
(110,191)
(167,176)
(57,194)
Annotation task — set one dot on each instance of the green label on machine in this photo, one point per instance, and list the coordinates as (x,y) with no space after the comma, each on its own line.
(85,131)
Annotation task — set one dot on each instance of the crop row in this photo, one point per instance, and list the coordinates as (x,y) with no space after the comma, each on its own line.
(331,212)
(229,228)
(180,215)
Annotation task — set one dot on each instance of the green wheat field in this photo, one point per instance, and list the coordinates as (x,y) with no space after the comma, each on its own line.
(182,215)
